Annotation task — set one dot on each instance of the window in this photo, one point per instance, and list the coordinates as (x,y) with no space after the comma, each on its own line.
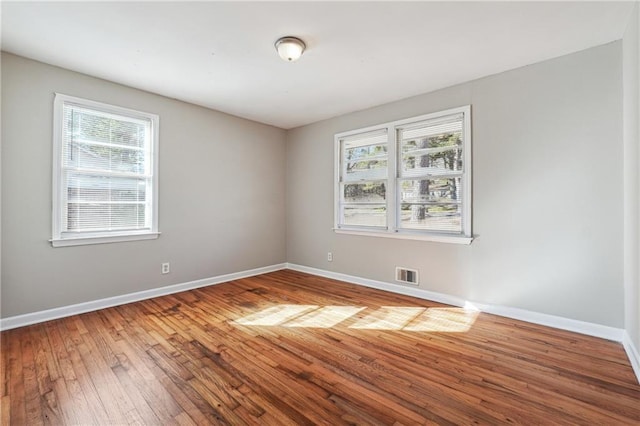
(407,179)
(104,173)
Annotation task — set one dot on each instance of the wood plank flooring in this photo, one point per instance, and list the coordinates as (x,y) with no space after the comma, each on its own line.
(288,348)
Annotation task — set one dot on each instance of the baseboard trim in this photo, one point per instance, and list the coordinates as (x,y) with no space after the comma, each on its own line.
(80,308)
(577,326)
(380,285)
(582,327)
(632,353)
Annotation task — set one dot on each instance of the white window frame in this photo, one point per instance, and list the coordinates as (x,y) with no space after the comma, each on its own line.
(392,230)
(59,237)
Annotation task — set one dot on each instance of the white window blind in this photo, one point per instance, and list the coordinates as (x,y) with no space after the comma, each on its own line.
(364,172)
(105,172)
(430,175)
(407,179)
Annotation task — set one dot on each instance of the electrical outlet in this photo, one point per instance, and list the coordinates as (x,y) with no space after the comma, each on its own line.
(166,268)
(330,257)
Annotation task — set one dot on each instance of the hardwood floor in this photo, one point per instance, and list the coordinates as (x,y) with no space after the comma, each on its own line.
(290,348)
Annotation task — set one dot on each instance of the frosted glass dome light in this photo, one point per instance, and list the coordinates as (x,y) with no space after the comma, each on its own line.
(290,48)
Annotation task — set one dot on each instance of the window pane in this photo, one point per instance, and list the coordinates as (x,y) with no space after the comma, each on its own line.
(443,140)
(100,157)
(432,155)
(354,153)
(371,192)
(103,203)
(82,187)
(447,190)
(94,126)
(431,217)
(365,215)
(371,169)
(105,217)
(365,162)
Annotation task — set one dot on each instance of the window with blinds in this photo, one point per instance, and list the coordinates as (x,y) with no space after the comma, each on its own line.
(363,182)
(105,173)
(430,175)
(409,178)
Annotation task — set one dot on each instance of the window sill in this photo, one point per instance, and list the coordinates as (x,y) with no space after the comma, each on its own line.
(81,241)
(451,239)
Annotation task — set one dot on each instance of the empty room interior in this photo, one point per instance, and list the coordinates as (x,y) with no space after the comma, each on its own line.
(290,213)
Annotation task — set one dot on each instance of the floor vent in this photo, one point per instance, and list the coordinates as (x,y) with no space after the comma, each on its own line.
(407,276)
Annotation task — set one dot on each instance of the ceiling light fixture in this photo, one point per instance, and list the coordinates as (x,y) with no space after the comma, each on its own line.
(290,48)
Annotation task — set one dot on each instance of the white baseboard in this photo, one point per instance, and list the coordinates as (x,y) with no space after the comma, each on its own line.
(562,323)
(591,329)
(582,327)
(380,285)
(80,308)
(632,353)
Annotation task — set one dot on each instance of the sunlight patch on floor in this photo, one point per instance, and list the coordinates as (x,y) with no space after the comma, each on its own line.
(325,317)
(405,318)
(301,316)
(388,318)
(450,320)
(276,315)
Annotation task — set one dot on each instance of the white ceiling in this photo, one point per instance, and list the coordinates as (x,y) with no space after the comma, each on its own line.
(220,54)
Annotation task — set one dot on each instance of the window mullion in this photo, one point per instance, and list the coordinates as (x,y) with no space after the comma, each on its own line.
(467,173)
(392,167)
(337,184)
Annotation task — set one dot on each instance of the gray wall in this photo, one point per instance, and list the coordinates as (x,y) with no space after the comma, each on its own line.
(221,196)
(631,102)
(548,189)
(548,192)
